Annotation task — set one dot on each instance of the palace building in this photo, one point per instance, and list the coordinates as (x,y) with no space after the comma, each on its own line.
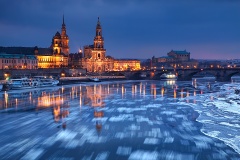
(56,56)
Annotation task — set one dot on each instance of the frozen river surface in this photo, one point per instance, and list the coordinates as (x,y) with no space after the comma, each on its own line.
(133,120)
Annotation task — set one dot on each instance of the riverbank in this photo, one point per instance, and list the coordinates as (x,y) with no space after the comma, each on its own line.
(72,80)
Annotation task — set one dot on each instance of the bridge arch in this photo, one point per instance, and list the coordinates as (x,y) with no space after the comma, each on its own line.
(232,74)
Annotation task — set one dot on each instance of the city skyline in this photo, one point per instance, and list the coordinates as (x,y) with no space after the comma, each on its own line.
(132,29)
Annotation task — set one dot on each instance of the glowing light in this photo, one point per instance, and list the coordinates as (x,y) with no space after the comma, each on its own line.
(174,93)
(181,93)
(162,91)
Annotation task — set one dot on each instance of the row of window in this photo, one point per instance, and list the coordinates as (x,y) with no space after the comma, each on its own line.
(19,67)
(49,60)
(183,55)
(18,61)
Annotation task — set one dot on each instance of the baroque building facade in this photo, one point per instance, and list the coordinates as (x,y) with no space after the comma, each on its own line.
(56,56)
(174,59)
(17,61)
(95,59)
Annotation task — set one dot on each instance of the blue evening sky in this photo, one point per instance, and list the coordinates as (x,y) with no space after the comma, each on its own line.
(208,29)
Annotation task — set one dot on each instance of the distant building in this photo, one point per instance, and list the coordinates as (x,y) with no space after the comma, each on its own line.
(182,56)
(175,59)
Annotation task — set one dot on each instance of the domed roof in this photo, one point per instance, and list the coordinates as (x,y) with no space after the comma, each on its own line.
(57,35)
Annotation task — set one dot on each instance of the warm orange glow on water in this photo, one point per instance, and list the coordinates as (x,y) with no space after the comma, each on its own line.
(175,93)
(144,90)
(80,99)
(133,91)
(162,91)
(16,102)
(182,93)
(6,99)
(123,90)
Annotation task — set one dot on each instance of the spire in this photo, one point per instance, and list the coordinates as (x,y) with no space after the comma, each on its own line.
(98,23)
(63,24)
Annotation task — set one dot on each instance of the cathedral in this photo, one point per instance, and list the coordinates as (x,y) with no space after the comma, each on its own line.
(95,59)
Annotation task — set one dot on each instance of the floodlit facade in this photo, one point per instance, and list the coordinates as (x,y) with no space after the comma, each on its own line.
(17,61)
(95,59)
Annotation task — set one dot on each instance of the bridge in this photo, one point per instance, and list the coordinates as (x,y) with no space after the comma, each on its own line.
(221,74)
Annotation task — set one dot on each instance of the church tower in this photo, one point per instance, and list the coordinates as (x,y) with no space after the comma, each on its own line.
(65,39)
(98,44)
(98,40)
(95,59)
(60,41)
(57,43)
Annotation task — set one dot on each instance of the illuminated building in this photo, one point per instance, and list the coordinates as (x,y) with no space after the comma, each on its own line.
(17,61)
(174,59)
(56,56)
(123,65)
(60,41)
(95,59)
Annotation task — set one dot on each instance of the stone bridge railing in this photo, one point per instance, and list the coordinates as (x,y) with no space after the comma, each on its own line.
(221,74)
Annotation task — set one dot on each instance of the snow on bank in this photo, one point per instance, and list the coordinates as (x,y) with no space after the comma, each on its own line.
(220,114)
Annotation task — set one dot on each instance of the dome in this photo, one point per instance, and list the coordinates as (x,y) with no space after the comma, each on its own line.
(57,36)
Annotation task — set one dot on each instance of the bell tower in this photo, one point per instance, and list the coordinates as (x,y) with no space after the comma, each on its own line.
(64,38)
(98,40)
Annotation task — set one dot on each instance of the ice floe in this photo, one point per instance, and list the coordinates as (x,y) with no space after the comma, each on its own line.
(123,151)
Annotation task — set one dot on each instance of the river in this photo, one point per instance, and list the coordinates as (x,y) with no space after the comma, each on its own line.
(122,120)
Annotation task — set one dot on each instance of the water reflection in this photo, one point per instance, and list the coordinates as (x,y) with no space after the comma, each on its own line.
(121,116)
(94,95)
